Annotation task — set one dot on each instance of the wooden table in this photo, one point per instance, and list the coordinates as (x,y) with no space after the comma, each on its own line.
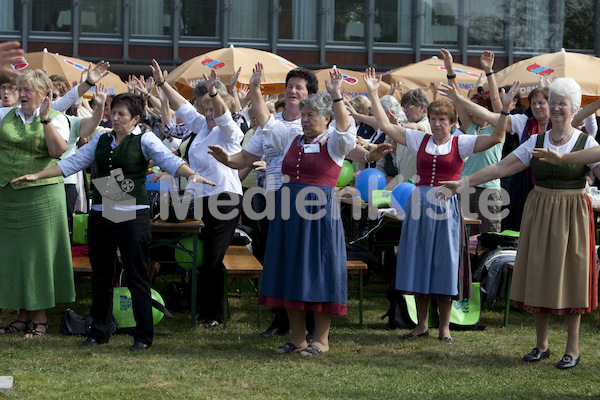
(183,228)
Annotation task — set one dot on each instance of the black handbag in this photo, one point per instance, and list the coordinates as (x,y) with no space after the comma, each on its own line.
(75,324)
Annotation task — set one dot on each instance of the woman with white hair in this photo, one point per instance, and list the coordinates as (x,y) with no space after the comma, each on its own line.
(555,268)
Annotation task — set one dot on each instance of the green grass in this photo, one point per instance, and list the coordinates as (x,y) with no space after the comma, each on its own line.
(367,363)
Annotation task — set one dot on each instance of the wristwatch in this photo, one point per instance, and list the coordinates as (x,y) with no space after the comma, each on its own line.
(46,121)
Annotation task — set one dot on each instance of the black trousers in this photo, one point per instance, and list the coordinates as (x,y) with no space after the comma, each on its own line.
(132,238)
(216,237)
(71,193)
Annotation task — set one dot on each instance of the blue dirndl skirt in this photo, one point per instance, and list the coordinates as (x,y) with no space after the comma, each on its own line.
(431,258)
(305,259)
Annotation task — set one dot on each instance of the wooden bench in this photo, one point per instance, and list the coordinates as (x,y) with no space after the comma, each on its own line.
(82,264)
(356,269)
(242,271)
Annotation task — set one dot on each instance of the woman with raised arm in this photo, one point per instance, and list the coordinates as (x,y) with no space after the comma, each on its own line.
(433,259)
(220,205)
(555,268)
(120,215)
(305,260)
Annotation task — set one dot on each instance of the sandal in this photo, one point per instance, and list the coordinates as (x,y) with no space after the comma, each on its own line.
(311,350)
(34,332)
(12,328)
(289,347)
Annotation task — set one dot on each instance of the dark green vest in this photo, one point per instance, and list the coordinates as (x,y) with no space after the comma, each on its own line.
(23,150)
(129,157)
(564,176)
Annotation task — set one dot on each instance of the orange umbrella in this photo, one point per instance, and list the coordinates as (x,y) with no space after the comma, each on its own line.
(419,75)
(583,68)
(68,67)
(226,62)
(353,82)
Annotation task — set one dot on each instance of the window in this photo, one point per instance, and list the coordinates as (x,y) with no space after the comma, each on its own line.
(51,16)
(486,23)
(441,22)
(101,16)
(249,19)
(151,17)
(200,18)
(532,25)
(579,25)
(10,18)
(298,20)
(393,21)
(346,20)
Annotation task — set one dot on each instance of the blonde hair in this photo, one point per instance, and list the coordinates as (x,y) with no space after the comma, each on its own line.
(227,99)
(37,79)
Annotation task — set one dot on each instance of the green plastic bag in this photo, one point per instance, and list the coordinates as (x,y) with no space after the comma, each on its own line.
(80,225)
(381,198)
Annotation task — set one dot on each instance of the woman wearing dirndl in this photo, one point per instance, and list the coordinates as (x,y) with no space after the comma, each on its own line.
(35,265)
(305,260)
(555,268)
(433,262)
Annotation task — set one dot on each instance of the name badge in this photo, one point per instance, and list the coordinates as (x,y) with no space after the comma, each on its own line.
(312,148)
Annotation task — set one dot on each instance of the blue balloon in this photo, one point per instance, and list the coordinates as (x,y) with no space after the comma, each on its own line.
(368,180)
(401,193)
(166,184)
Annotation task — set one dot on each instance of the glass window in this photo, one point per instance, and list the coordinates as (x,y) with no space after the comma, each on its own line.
(486,23)
(298,20)
(10,18)
(249,19)
(200,18)
(393,21)
(346,20)
(101,16)
(51,15)
(440,24)
(531,24)
(151,17)
(579,25)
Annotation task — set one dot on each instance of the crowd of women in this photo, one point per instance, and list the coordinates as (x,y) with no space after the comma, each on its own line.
(446,146)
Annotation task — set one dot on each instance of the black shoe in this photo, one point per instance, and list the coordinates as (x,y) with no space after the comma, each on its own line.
(410,336)
(139,346)
(90,342)
(273,331)
(310,336)
(537,355)
(567,362)
(210,324)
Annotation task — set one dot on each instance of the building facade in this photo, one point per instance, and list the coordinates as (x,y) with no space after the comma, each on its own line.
(313,33)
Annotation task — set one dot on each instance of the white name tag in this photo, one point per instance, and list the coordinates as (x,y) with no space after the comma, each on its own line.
(312,148)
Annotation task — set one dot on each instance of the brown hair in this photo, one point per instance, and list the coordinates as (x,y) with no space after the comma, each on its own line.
(442,107)
(60,83)
(483,99)
(544,91)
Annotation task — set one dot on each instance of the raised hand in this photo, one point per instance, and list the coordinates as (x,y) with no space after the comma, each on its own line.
(448,91)
(508,97)
(8,51)
(45,107)
(447,57)
(433,89)
(371,79)
(97,72)
(257,74)
(487,61)
(243,92)
(334,87)
(158,74)
(396,86)
(212,80)
(234,79)
(100,95)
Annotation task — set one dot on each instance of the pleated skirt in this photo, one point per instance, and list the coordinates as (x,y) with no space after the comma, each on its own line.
(555,268)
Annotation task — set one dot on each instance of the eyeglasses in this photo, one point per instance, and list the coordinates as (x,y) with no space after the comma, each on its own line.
(8,88)
(405,109)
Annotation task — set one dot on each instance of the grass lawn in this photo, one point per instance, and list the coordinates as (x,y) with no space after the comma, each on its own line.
(367,363)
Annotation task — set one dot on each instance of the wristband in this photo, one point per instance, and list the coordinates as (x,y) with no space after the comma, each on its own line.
(489,73)
(160,84)
(366,159)
(213,95)
(453,76)
(46,121)
(504,112)
(87,80)
(479,89)
(336,100)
